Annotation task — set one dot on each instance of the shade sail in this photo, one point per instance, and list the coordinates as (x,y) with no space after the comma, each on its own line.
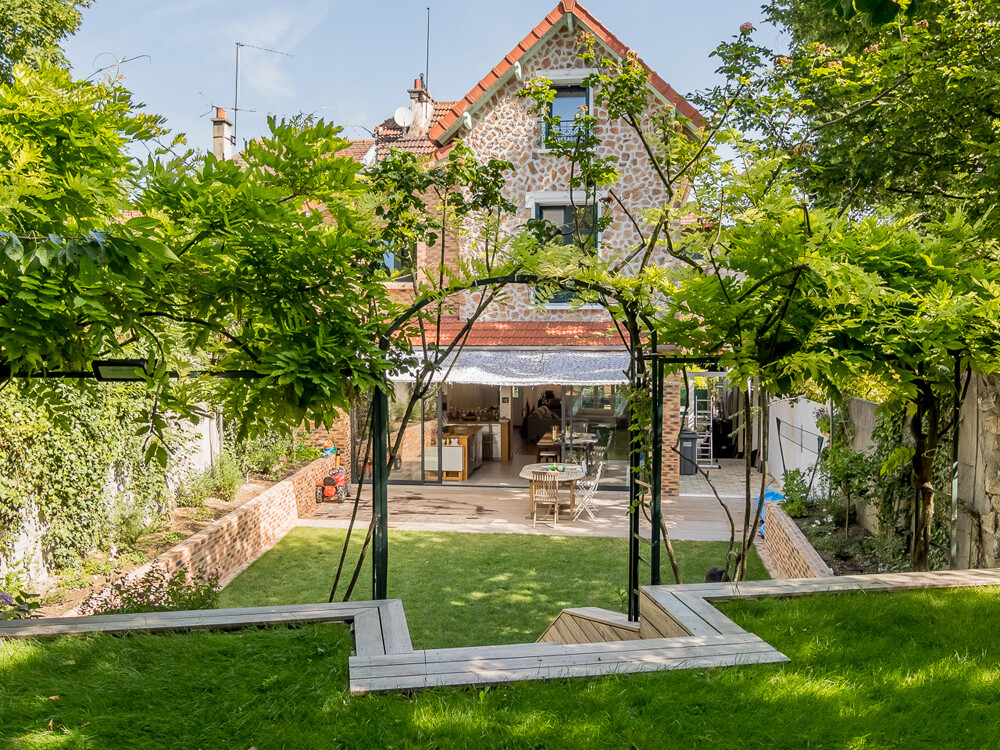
(536,366)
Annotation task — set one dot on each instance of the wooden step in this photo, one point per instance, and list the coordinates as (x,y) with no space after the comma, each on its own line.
(543,661)
(590,625)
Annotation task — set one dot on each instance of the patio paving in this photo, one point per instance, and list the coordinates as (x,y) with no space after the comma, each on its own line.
(690,516)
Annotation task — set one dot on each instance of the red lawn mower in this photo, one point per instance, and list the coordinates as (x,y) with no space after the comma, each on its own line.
(334,488)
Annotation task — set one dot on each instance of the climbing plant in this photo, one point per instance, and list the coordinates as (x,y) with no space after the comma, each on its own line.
(79,475)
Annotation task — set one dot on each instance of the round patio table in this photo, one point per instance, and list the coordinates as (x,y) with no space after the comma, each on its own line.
(571,473)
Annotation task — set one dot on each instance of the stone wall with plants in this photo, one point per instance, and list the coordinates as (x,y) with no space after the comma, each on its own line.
(224,549)
(74,479)
(73,476)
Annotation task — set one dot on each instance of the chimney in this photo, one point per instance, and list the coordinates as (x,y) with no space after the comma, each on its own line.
(222,135)
(422,107)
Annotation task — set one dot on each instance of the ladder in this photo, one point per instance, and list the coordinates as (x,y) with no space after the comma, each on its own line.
(704,404)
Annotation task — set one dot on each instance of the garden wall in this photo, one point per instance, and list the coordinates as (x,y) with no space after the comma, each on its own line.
(979,476)
(790,551)
(230,544)
(202,447)
(796,444)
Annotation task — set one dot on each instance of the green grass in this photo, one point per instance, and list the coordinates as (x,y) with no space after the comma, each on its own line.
(466,589)
(869,671)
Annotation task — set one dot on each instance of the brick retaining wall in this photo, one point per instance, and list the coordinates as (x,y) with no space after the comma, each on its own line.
(791,554)
(230,544)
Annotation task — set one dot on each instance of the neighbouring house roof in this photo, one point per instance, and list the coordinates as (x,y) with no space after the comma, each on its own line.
(526,333)
(357,149)
(495,76)
(392,136)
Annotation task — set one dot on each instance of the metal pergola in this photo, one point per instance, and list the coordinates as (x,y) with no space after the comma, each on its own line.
(637,487)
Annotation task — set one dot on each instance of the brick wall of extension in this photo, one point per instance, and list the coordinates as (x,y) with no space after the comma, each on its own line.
(790,553)
(230,544)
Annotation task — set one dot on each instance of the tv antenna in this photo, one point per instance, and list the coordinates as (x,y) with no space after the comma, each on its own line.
(236,95)
(427,57)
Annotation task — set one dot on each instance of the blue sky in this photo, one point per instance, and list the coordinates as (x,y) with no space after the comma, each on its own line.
(353,60)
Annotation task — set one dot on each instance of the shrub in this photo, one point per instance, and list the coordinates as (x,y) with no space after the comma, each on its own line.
(17,605)
(261,454)
(227,477)
(796,493)
(308,453)
(155,591)
(839,513)
(194,489)
(131,528)
(15,602)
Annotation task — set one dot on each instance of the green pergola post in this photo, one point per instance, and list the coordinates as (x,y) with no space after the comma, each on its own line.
(657,468)
(633,502)
(380,493)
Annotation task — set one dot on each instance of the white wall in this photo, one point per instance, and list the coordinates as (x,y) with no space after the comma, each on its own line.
(207,443)
(798,444)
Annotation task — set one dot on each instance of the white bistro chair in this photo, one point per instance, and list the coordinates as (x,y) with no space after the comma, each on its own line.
(585,491)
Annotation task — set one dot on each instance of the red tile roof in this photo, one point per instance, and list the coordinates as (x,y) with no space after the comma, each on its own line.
(521,333)
(391,136)
(357,149)
(565,7)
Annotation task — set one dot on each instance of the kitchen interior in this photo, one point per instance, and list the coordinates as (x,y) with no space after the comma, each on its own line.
(488,433)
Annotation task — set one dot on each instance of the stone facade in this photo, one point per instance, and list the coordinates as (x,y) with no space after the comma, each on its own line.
(505,127)
(790,553)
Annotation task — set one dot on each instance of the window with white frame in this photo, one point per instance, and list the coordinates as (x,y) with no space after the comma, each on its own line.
(568,102)
(396,262)
(573,225)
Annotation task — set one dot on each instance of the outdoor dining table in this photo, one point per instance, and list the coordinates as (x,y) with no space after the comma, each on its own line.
(564,473)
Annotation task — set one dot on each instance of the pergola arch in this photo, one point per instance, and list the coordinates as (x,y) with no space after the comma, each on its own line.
(639,376)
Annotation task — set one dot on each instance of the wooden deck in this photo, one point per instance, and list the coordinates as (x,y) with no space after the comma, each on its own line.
(379,626)
(482,665)
(679,629)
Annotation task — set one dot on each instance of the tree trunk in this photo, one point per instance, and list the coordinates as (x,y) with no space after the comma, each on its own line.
(925,443)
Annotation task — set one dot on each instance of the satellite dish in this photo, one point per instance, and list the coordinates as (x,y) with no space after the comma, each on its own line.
(403,117)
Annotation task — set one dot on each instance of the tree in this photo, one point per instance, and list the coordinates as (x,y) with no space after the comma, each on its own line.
(262,268)
(30,32)
(895,117)
(899,111)
(918,308)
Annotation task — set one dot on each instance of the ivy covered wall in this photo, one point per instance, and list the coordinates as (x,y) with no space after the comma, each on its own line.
(70,477)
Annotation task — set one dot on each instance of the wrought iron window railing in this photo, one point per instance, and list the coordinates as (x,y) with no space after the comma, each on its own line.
(561,131)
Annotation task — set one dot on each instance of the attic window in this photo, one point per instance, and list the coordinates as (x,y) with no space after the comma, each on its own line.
(569,101)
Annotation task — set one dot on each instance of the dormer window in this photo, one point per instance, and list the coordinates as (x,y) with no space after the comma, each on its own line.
(569,101)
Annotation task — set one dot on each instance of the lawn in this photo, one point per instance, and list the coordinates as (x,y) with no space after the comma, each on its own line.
(871,671)
(467,589)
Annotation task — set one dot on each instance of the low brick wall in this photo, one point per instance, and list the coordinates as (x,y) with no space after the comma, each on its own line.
(791,554)
(230,544)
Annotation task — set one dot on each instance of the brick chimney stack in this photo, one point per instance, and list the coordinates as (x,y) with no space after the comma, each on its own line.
(222,135)
(422,107)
